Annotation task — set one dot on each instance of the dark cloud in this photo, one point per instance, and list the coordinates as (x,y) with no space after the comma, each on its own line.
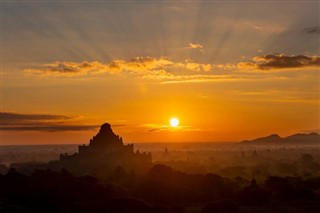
(268,62)
(9,116)
(312,30)
(48,128)
(40,122)
(154,130)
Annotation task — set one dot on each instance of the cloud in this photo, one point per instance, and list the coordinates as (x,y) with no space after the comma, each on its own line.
(312,30)
(195,46)
(49,128)
(40,122)
(12,117)
(273,62)
(169,71)
(202,78)
(154,127)
(139,66)
(227,66)
(71,69)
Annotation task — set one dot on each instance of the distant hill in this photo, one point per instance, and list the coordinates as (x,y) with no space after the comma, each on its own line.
(296,139)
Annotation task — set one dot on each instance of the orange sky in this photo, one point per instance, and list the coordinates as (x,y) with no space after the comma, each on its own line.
(228,71)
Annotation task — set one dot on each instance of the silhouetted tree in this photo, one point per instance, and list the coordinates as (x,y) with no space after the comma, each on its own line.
(253,195)
(224,206)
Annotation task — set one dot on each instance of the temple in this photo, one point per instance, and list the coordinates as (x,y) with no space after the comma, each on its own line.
(103,155)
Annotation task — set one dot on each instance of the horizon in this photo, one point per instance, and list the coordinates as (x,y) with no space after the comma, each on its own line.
(160,72)
(164,142)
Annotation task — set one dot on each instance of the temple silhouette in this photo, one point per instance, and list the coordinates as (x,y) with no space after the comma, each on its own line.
(105,153)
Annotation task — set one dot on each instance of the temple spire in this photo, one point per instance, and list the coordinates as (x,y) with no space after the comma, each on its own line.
(105,136)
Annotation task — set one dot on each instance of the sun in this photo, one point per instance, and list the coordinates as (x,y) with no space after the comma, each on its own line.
(174,122)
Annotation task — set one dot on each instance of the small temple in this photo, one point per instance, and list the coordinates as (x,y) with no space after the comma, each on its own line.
(105,152)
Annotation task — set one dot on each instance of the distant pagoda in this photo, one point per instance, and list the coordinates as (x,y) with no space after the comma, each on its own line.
(103,155)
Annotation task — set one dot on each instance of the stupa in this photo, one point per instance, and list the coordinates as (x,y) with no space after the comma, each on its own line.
(105,152)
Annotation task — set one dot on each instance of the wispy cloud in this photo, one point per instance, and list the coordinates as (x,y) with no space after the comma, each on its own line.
(312,30)
(49,128)
(195,46)
(154,127)
(202,78)
(40,122)
(13,117)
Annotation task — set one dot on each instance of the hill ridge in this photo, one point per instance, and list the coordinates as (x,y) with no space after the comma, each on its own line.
(298,138)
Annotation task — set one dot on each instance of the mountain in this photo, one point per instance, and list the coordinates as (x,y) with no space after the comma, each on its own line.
(296,139)
(299,138)
(268,139)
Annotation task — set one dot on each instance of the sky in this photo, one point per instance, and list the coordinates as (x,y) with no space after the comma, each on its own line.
(228,70)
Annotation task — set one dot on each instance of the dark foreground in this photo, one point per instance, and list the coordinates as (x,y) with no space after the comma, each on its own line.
(160,190)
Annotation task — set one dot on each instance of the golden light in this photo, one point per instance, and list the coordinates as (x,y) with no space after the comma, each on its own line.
(174,122)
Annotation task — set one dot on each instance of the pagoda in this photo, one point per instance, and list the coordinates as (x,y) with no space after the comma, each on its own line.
(105,152)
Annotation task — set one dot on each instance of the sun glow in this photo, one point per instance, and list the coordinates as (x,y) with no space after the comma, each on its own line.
(174,122)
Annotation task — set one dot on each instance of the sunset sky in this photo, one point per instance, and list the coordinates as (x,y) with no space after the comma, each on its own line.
(228,70)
